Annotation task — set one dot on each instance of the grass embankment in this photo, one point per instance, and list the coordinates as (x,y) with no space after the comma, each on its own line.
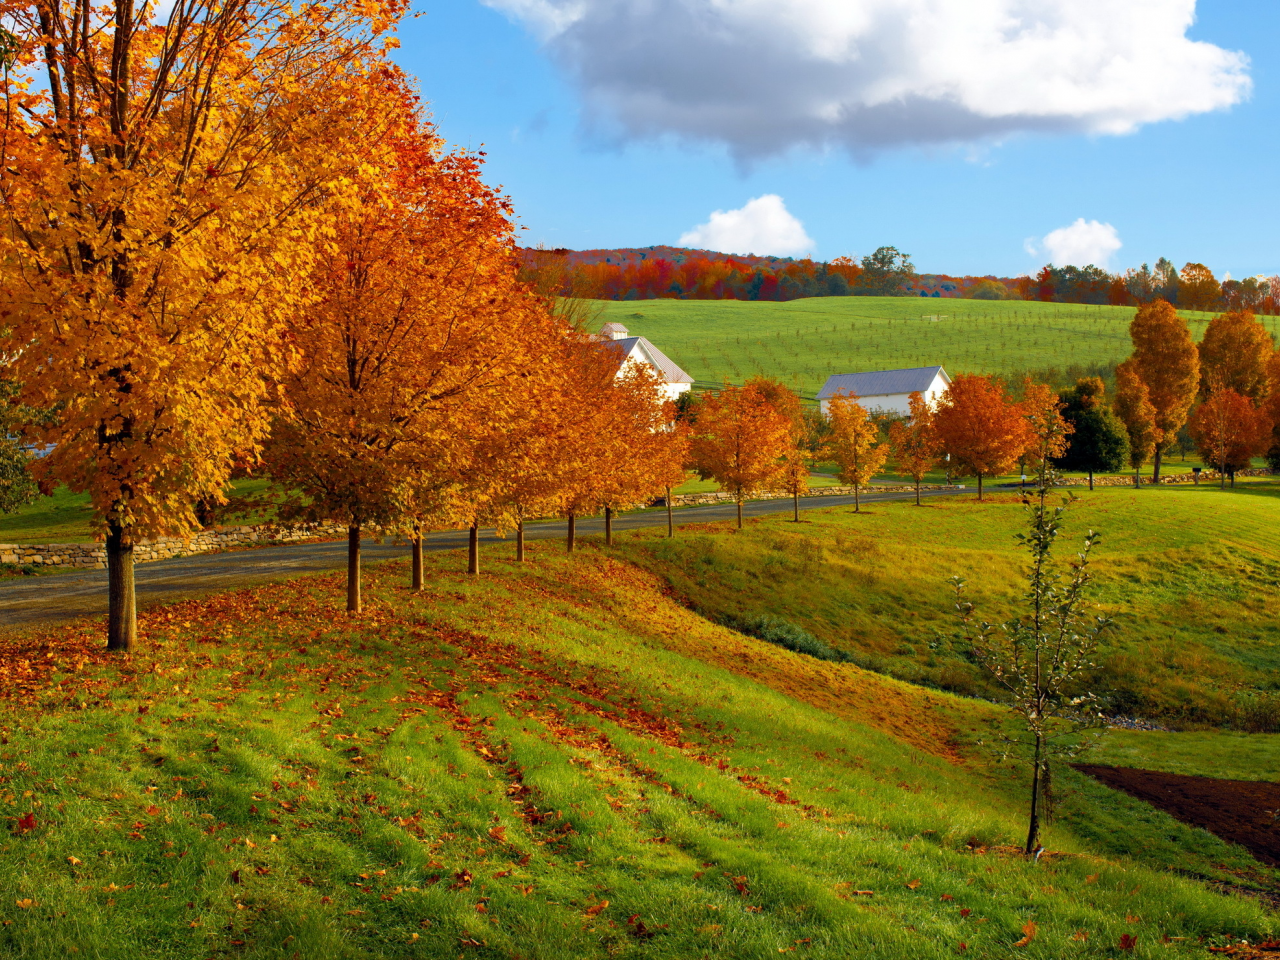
(802,342)
(552,761)
(1190,574)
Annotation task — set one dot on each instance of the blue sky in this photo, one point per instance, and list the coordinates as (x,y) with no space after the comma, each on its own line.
(578,134)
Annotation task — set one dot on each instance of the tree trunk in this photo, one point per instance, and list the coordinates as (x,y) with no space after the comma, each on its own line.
(979,488)
(520,540)
(473,550)
(857,501)
(1090,479)
(1155,474)
(353,568)
(573,530)
(739,513)
(671,525)
(1137,476)
(1033,828)
(417,558)
(608,526)
(122,607)
(917,492)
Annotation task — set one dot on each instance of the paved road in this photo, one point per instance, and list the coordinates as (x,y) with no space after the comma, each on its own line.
(63,596)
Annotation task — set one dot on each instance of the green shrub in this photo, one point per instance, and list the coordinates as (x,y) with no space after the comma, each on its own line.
(784,634)
(1258,712)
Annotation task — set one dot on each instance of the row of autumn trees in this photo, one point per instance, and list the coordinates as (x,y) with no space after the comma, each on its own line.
(1225,390)
(757,438)
(234,242)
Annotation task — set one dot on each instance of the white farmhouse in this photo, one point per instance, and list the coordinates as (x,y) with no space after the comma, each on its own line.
(886,391)
(638,350)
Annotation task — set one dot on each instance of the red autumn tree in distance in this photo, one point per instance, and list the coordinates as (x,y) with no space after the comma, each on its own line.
(1229,430)
(982,429)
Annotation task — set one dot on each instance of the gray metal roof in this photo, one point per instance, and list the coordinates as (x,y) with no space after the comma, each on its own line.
(881,383)
(648,352)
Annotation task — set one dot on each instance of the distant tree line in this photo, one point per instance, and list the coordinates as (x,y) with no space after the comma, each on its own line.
(673,273)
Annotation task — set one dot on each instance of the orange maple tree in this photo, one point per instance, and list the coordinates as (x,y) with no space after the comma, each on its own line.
(805,446)
(914,442)
(854,444)
(741,440)
(1166,360)
(981,427)
(420,327)
(1134,408)
(1048,431)
(1234,354)
(165,183)
(620,446)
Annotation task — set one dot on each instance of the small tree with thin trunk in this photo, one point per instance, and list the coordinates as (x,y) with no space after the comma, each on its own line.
(741,440)
(806,442)
(1043,657)
(1133,407)
(982,429)
(914,441)
(854,444)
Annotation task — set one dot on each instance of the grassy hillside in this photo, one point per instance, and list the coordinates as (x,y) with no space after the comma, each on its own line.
(1191,575)
(553,761)
(804,341)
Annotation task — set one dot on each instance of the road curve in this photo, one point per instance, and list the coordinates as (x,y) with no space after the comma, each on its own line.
(34,600)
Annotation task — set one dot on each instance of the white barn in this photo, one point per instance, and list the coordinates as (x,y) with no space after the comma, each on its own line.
(633,350)
(886,391)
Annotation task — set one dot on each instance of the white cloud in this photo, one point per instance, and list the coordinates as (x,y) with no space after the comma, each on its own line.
(763,76)
(763,227)
(1083,243)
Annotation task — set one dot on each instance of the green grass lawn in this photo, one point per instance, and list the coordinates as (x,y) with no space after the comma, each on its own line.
(554,760)
(66,517)
(1190,574)
(802,342)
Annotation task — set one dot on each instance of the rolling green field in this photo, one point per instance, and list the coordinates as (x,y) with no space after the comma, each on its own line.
(802,342)
(1190,574)
(559,760)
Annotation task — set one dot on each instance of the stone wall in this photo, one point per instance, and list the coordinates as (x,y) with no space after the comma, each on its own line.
(94,555)
(697,499)
(1206,476)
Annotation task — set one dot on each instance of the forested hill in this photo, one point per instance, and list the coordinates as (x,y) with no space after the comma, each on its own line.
(664,272)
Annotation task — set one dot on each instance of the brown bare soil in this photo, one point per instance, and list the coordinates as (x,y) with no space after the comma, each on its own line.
(1238,811)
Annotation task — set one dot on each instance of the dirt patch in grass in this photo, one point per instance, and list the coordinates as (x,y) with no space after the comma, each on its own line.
(1239,811)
